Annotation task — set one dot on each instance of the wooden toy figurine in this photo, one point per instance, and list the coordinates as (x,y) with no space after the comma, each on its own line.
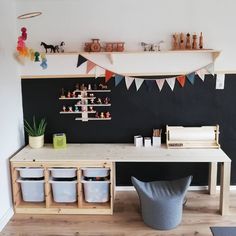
(181,42)
(194,46)
(108,115)
(64,108)
(175,42)
(103,86)
(188,41)
(76,109)
(106,100)
(69,94)
(102,115)
(63,93)
(70,109)
(99,101)
(201,41)
(96,115)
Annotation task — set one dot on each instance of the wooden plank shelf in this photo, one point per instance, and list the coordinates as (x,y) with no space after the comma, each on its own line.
(92,118)
(79,112)
(93,105)
(78,98)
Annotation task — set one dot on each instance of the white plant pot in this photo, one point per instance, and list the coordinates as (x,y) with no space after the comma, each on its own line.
(36,141)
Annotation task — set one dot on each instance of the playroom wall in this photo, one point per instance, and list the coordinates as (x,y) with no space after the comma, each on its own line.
(11,119)
(133,21)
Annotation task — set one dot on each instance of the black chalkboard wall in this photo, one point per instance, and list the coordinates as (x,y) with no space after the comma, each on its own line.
(138,113)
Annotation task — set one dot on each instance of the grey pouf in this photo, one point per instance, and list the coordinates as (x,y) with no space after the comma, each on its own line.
(162,201)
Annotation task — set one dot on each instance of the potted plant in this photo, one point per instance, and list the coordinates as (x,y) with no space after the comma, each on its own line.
(36,132)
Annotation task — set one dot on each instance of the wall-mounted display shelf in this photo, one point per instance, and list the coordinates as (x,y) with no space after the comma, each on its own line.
(133,63)
(85,105)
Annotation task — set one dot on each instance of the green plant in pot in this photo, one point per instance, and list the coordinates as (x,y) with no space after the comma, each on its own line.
(36,131)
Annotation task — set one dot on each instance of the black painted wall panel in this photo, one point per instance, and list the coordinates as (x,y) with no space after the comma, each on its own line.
(138,113)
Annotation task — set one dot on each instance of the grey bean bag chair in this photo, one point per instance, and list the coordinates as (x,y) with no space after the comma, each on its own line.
(162,201)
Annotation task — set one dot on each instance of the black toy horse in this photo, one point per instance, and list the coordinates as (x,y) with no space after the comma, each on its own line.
(46,47)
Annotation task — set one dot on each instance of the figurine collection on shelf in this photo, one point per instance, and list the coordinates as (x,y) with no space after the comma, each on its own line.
(53,48)
(96,46)
(180,41)
(85,94)
(152,47)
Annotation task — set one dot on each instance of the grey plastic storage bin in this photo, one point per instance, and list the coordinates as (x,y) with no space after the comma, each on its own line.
(64,191)
(32,190)
(95,172)
(63,172)
(29,172)
(96,191)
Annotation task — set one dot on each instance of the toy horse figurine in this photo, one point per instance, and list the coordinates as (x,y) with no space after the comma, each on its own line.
(46,47)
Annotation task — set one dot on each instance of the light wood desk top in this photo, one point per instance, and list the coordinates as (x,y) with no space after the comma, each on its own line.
(119,153)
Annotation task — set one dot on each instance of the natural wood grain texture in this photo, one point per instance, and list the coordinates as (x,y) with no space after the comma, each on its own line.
(199,214)
(224,189)
(117,152)
(212,179)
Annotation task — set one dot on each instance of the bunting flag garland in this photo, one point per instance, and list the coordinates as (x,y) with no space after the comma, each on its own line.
(138,83)
(160,83)
(201,72)
(181,79)
(90,66)
(171,82)
(81,60)
(108,75)
(191,77)
(99,71)
(118,79)
(128,81)
(210,68)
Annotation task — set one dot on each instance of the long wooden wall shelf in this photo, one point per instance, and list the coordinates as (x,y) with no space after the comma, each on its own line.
(133,63)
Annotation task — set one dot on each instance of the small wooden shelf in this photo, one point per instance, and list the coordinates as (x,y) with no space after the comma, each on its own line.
(93,105)
(79,112)
(95,91)
(78,98)
(92,118)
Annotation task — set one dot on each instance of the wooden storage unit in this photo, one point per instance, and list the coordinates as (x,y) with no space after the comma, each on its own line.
(38,158)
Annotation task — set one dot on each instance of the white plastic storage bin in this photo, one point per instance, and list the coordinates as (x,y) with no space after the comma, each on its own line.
(29,172)
(63,172)
(95,172)
(96,191)
(32,190)
(64,191)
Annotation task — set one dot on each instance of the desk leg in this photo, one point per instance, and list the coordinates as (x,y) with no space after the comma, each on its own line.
(224,187)
(212,179)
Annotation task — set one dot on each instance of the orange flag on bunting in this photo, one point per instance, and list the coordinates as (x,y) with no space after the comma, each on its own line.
(181,79)
(108,75)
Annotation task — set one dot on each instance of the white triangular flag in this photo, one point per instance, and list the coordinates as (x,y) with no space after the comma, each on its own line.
(128,81)
(99,71)
(210,68)
(220,81)
(171,82)
(201,73)
(138,83)
(160,83)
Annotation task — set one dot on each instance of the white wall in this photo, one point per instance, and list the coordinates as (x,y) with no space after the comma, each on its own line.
(11,123)
(132,21)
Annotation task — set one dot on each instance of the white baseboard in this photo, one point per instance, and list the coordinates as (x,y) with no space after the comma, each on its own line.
(6,217)
(191,188)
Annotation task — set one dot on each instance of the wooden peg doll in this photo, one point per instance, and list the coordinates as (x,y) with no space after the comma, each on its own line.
(181,42)
(194,41)
(175,41)
(201,41)
(188,41)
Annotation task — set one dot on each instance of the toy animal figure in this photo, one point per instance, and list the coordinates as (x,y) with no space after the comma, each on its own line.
(59,48)
(103,86)
(46,47)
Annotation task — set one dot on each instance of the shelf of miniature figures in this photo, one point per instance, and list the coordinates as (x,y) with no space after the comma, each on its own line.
(92,118)
(95,91)
(77,98)
(77,112)
(93,105)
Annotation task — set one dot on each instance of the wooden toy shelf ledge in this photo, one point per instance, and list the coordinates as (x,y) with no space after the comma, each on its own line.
(133,63)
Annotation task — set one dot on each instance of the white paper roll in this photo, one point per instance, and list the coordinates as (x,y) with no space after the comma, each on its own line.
(192,134)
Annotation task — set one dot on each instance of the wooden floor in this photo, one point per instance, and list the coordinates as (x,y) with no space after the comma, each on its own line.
(199,214)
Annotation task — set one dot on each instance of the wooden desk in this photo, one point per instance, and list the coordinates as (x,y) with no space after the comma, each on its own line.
(109,154)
